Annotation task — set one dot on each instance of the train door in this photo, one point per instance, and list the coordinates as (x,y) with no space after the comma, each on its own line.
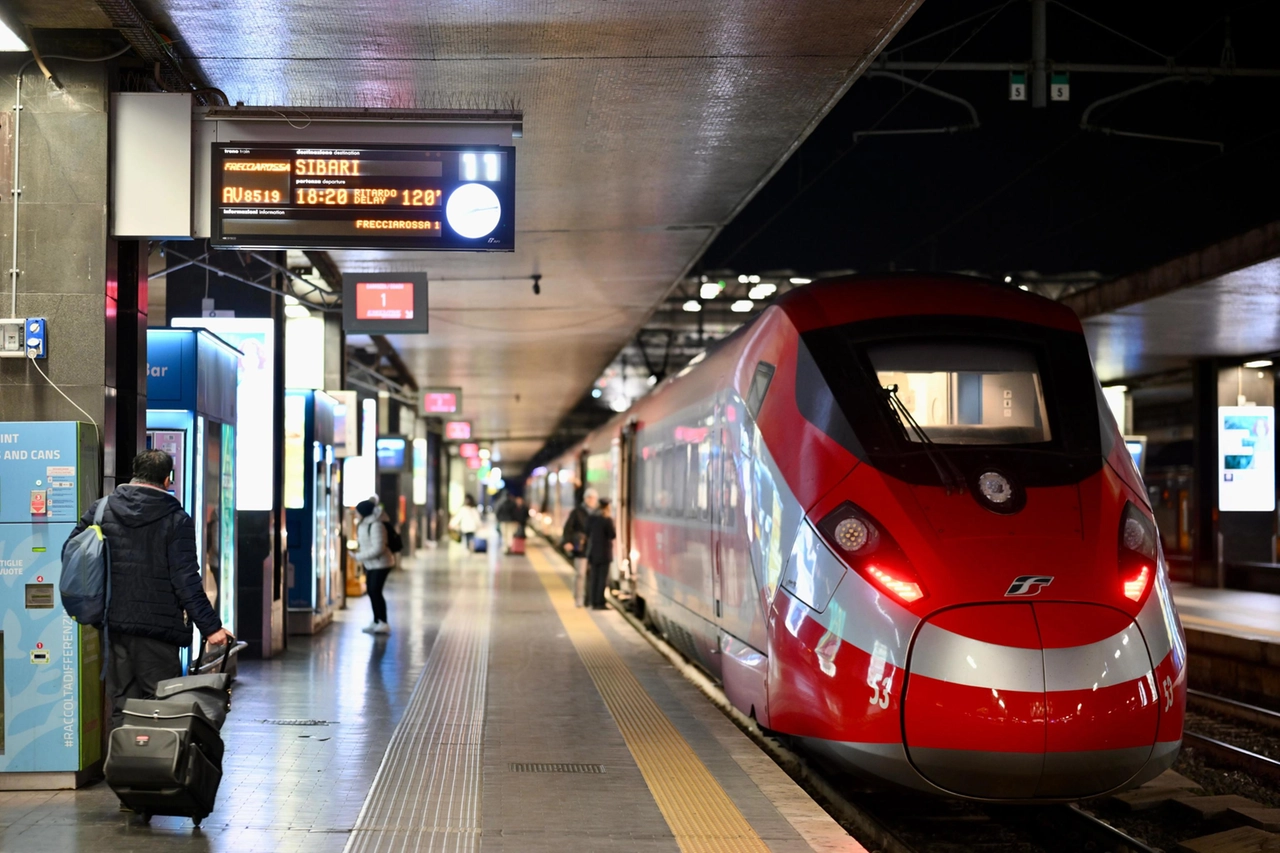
(624,471)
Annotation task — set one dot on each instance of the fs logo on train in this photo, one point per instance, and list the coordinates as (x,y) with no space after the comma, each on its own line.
(1029,584)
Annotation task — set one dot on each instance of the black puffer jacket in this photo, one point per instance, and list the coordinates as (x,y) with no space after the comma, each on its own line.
(154,573)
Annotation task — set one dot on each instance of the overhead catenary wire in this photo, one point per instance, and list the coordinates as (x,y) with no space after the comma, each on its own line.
(839,158)
(1166,57)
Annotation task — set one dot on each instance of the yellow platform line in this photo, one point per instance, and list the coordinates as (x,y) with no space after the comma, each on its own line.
(701,815)
(1235,627)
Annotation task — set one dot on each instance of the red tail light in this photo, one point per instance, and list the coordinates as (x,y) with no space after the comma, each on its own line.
(864,546)
(1138,549)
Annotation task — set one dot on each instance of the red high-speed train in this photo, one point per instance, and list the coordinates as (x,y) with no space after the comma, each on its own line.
(895,518)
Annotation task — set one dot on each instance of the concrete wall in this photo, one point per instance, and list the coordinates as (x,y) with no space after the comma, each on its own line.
(69,270)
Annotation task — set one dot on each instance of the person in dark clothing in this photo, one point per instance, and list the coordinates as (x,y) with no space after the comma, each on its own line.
(155,583)
(520,515)
(574,541)
(600,535)
(504,511)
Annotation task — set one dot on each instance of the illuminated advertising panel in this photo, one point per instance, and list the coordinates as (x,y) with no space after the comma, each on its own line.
(346,424)
(435,198)
(466,451)
(368,426)
(295,450)
(255,406)
(420,472)
(384,303)
(1246,459)
(441,401)
(457,430)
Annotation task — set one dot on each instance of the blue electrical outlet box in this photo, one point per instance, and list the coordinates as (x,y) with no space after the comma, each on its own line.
(34,333)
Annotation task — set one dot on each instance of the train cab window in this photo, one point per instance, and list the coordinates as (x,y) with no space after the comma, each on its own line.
(759,387)
(965,392)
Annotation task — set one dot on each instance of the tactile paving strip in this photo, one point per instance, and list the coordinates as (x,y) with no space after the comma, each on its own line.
(701,815)
(426,796)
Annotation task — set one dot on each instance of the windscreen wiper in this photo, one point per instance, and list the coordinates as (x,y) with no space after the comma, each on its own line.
(948,473)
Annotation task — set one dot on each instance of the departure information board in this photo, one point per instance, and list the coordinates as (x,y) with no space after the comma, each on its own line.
(441,198)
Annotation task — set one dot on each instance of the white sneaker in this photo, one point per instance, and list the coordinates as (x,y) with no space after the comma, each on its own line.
(381,628)
(371,628)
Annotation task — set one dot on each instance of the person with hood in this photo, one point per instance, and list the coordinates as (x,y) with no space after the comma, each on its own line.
(467,521)
(372,553)
(155,583)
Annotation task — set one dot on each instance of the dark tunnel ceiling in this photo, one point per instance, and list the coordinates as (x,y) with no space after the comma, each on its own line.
(1029,190)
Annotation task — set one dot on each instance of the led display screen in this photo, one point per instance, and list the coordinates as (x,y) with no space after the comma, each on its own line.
(457,430)
(384,303)
(466,451)
(441,401)
(441,197)
(1246,459)
(391,454)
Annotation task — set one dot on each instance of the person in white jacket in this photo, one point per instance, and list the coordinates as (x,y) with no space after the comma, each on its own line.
(372,553)
(467,521)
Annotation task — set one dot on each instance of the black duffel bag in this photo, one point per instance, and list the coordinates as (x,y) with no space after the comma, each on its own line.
(212,691)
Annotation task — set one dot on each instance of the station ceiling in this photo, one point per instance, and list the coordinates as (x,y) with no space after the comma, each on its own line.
(647,126)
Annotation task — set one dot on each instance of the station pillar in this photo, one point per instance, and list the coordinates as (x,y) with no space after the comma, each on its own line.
(91,290)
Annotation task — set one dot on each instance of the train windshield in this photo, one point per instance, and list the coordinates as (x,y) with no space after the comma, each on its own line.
(966,393)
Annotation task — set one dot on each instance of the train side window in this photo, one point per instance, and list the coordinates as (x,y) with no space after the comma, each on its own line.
(759,387)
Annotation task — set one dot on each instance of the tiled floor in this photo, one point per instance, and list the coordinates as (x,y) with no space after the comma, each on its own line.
(504,685)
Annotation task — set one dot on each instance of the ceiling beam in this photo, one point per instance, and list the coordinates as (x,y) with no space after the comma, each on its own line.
(1234,253)
(387,351)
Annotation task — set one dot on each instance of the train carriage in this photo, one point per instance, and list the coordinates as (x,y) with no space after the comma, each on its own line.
(894,518)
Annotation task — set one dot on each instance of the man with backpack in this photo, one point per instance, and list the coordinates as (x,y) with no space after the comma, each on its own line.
(154,582)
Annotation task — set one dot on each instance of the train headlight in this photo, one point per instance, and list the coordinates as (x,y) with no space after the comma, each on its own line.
(1139,552)
(862,544)
(1134,536)
(852,534)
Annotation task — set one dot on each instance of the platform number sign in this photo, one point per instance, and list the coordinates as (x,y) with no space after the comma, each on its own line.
(1060,87)
(1017,86)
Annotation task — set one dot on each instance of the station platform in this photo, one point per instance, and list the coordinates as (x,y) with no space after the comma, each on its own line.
(496,716)
(1233,641)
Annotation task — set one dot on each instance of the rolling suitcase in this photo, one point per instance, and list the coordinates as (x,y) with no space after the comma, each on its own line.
(517,545)
(167,757)
(182,714)
(156,770)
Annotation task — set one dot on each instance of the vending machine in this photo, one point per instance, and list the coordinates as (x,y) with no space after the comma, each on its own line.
(51,706)
(313,510)
(191,414)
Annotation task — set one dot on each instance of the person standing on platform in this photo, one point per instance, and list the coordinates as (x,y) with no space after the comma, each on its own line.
(467,521)
(504,511)
(520,515)
(372,553)
(574,541)
(155,583)
(600,535)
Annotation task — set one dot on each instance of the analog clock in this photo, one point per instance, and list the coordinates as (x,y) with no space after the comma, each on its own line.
(473,210)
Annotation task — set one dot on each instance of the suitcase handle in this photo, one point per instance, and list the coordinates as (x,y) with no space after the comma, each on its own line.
(226,655)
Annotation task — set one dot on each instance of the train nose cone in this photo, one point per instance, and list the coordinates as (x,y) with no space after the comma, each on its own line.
(1102,707)
(1016,701)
